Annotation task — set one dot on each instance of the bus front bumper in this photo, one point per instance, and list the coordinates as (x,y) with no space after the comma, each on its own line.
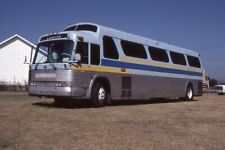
(49,91)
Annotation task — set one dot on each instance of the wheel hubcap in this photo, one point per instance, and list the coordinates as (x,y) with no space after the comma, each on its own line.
(101,94)
(189,94)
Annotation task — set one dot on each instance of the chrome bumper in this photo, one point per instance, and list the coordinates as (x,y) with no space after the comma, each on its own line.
(49,91)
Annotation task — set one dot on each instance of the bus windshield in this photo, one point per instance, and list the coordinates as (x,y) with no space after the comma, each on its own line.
(54,52)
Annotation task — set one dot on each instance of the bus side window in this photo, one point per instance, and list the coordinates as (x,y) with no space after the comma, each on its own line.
(109,48)
(82,49)
(95,54)
(158,54)
(178,58)
(194,61)
(133,49)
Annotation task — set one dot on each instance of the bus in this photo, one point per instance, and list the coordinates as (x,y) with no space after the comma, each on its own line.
(101,64)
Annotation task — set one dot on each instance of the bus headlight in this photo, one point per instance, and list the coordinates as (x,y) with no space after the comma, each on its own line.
(63,84)
(32,84)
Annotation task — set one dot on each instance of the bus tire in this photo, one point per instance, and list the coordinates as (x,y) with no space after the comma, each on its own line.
(100,95)
(189,93)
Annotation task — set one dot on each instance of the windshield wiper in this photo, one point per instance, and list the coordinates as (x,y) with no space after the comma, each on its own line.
(35,68)
(53,66)
(49,60)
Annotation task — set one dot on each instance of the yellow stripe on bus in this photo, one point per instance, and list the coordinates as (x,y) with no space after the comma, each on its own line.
(99,69)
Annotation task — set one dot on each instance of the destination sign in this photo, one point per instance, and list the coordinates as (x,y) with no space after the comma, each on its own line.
(53,37)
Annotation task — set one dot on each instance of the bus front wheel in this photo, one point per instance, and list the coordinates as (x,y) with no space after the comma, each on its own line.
(100,95)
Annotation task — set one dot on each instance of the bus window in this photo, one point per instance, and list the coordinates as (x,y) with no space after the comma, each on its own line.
(110,50)
(86,27)
(178,58)
(95,54)
(158,54)
(82,49)
(194,61)
(73,28)
(133,49)
(83,27)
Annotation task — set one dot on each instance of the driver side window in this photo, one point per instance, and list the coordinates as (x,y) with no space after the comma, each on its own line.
(82,49)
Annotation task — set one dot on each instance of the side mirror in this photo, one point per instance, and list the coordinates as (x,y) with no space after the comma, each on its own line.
(77,57)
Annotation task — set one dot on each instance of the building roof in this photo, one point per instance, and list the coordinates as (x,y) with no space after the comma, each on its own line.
(14,38)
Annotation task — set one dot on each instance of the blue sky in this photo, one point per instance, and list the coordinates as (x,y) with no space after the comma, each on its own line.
(192,24)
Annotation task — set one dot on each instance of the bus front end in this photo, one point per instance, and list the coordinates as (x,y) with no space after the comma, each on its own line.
(50,73)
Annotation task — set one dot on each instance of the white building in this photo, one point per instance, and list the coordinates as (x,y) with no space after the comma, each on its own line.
(13,53)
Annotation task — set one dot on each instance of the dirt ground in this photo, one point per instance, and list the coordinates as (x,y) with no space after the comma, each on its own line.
(31,123)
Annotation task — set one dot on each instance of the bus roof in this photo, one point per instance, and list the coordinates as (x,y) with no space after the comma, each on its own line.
(102,30)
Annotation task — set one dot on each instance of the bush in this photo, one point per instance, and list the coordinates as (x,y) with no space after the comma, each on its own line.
(16,87)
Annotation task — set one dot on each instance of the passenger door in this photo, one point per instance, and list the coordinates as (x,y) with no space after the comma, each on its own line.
(90,53)
(82,49)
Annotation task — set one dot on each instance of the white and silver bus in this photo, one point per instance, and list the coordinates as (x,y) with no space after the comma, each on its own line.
(89,61)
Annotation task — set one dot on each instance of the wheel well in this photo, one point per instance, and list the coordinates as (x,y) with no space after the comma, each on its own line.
(104,81)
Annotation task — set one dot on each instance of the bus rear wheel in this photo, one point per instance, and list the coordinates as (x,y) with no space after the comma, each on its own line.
(100,95)
(189,93)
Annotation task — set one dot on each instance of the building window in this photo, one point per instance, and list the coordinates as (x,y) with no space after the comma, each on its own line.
(158,54)
(109,46)
(133,49)
(194,61)
(178,58)
(95,54)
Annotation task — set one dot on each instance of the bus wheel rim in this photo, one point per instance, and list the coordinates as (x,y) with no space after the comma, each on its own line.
(101,94)
(189,94)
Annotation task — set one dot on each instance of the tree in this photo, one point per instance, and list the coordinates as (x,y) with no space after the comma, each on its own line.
(222,82)
(213,82)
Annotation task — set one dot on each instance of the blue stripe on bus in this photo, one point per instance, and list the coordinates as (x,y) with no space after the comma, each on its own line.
(119,64)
